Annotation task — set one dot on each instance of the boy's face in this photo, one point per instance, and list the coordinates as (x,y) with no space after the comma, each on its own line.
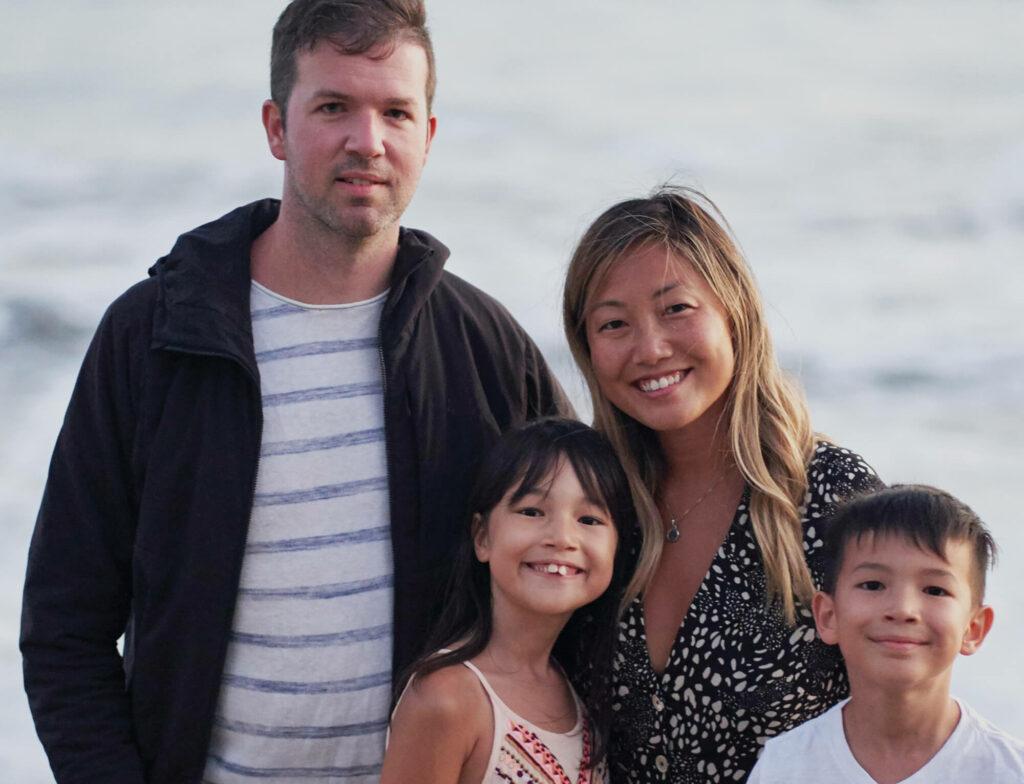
(901,614)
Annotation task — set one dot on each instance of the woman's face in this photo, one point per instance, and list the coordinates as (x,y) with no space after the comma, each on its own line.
(660,343)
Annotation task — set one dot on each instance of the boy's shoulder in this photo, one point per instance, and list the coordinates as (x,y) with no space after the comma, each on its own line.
(804,752)
(989,745)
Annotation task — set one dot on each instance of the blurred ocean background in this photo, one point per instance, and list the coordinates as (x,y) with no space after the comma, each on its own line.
(869,156)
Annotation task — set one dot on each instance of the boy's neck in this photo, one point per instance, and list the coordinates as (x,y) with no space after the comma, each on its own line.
(892,735)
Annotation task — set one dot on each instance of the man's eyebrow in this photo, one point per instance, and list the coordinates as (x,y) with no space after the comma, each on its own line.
(334,95)
(614,303)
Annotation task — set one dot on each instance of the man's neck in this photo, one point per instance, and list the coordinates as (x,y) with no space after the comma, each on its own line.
(320,267)
(894,734)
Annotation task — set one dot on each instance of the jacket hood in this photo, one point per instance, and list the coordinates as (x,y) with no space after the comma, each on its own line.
(203,284)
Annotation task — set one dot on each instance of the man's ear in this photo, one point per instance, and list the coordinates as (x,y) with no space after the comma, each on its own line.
(273,124)
(977,629)
(480,544)
(825,617)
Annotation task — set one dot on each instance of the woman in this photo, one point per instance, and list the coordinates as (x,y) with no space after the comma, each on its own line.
(717,648)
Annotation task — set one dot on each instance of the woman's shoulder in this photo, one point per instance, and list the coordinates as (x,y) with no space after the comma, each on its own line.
(834,468)
(835,474)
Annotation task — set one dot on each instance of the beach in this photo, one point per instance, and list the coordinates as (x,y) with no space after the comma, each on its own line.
(869,157)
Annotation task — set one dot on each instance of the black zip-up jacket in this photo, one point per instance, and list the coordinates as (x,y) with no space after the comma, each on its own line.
(143,521)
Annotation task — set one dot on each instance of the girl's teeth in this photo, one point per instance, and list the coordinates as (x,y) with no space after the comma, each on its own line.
(556,569)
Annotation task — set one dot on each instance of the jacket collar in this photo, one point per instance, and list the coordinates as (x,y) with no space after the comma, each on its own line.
(204,285)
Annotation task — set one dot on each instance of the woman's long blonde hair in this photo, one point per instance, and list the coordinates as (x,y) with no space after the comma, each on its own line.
(770,434)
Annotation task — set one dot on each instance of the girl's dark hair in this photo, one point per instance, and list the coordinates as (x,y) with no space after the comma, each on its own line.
(522,458)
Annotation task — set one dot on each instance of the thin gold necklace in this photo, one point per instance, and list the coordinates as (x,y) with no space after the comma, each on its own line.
(672,534)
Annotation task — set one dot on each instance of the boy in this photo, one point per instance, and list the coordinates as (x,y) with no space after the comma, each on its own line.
(903,596)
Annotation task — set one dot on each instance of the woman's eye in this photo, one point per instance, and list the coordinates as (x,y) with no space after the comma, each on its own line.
(679,307)
(610,325)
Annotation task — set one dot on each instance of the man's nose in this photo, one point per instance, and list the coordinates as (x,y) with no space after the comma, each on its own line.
(365,135)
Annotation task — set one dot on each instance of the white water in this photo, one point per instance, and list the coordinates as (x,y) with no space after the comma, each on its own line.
(870,156)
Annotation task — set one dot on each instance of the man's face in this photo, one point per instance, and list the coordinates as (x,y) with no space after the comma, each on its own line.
(901,614)
(356,138)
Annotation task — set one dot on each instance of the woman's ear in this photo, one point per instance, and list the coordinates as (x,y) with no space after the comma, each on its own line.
(481,545)
(825,617)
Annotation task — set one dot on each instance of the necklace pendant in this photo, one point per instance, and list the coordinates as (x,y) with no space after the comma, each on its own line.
(672,534)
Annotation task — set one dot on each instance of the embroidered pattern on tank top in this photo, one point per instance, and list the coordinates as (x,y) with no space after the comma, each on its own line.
(524,758)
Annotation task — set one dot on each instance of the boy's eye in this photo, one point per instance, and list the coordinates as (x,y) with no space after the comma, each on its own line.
(871,585)
(530,511)
(935,590)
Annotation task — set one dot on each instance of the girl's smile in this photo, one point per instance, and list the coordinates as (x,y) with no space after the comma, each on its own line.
(551,551)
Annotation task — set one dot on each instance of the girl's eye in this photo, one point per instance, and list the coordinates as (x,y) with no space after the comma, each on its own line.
(935,590)
(588,520)
(871,585)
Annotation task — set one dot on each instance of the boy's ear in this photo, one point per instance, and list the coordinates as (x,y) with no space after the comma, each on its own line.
(480,544)
(977,629)
(825,617)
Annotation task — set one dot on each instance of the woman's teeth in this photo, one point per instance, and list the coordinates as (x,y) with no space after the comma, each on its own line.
(654,384)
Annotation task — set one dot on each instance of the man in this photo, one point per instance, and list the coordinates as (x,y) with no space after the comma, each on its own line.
(261,473)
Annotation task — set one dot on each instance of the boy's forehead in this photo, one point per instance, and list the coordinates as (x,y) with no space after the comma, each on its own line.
(897,551)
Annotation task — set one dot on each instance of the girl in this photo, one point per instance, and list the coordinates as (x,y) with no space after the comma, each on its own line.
(717,649)
(535,588)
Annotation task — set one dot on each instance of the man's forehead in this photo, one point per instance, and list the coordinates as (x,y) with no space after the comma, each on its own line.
(400,63)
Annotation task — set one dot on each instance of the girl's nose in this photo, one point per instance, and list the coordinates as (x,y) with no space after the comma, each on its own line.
(561,532)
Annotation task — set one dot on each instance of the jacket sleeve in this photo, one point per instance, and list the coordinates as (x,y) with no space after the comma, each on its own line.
(78,586)
(545,396)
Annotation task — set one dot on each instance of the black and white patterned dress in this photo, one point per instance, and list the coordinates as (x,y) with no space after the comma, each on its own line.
(737,674)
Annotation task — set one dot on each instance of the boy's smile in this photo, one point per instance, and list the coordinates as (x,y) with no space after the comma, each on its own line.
(901,613)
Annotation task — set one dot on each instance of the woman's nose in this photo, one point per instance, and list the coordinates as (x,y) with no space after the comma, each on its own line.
(651,344)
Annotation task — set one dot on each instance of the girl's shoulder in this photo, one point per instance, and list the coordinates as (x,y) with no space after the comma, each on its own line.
(448,695)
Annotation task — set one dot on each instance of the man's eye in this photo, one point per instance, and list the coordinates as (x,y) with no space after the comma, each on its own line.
(332,108)
(397,114)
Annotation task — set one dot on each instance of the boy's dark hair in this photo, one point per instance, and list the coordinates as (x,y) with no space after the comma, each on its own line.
(351,27)
(926,516)
(522,458)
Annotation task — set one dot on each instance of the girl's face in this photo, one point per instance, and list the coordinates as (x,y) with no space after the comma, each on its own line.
(660,342)
(552,551)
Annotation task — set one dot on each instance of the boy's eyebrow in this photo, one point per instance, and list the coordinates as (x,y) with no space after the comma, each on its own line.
(880,567)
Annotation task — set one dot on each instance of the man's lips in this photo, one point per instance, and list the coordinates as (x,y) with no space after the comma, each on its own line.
(555,568)
(359,179)
(658,383)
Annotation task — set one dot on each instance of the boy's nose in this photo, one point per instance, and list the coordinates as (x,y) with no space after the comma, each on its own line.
(903,607)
